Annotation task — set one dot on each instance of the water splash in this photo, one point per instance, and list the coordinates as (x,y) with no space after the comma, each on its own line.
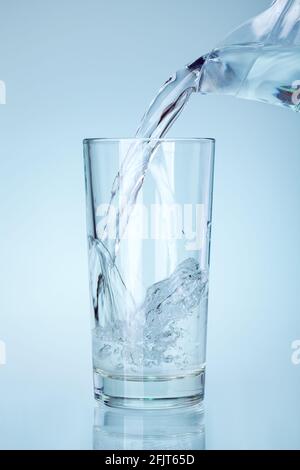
(157,333)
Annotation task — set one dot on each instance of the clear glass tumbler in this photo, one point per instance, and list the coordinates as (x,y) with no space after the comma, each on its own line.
(149,205)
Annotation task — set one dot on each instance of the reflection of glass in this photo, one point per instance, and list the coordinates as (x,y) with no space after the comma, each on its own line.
(149,244)
(125,429)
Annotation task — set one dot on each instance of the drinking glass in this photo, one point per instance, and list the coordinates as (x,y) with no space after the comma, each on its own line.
(163,429)
(149,207)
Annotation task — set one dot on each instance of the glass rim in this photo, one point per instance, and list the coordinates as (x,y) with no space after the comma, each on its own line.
(149,139)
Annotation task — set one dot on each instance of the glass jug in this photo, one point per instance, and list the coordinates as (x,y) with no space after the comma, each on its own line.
(260,60)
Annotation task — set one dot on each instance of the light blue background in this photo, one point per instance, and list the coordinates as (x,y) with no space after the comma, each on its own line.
(76,69)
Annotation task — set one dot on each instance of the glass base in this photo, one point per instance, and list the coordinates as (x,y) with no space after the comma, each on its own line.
(149,392)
